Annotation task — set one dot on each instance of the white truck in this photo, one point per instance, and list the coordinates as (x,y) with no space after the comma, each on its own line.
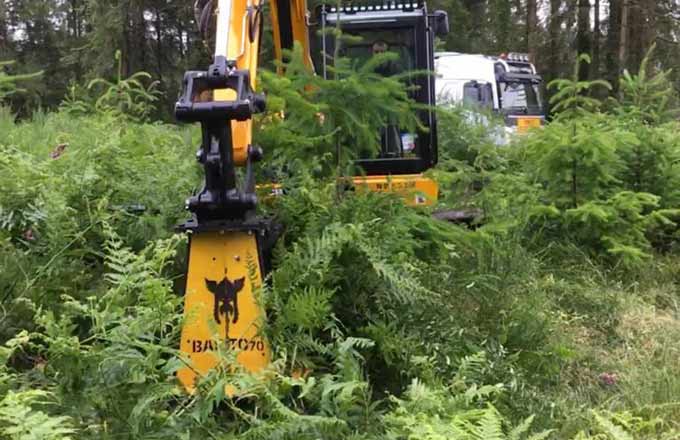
(507,84)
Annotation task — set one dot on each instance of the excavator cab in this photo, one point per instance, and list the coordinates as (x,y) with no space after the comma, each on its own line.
(408,30)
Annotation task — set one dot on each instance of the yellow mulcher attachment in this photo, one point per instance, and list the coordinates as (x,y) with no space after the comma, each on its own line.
(221,307)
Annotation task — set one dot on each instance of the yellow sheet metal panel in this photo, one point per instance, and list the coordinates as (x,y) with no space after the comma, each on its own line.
(415,189)
(300,29)
(524,124)
(274,19)
(221,308)
(241,26)
(298,26)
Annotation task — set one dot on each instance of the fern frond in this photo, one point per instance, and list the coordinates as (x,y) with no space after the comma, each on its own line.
(615,432)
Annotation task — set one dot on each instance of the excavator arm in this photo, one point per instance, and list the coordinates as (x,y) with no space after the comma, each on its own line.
(235,26)
(222,308)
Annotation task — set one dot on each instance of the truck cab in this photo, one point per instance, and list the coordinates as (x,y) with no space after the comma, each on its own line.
(508,85)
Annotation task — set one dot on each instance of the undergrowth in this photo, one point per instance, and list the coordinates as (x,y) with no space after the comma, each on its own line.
(556,317)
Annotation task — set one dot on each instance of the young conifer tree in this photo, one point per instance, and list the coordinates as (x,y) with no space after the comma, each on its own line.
(8,82)
(575,156)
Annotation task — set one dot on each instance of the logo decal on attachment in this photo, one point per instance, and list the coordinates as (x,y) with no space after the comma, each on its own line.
(226,299)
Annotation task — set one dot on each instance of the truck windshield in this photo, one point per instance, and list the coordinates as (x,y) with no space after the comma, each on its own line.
(520,97)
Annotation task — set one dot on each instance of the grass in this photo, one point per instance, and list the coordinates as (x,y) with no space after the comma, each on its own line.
(621,341)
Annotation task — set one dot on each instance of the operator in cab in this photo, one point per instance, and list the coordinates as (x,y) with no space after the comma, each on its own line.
(390,135)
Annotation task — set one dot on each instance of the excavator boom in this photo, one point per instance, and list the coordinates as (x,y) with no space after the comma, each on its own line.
(222,309)
(221,306)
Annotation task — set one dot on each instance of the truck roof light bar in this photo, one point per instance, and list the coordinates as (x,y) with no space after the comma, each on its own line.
(515,57)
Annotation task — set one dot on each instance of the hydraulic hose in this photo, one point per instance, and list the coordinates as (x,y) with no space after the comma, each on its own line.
(204,15)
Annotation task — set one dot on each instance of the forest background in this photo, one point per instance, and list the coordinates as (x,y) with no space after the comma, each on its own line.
(74,41)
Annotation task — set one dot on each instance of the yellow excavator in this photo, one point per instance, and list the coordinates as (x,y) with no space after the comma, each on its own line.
(226,237)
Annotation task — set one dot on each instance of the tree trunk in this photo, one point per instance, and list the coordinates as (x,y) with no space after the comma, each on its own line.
(642,30)
(532,25)
(612,63)
(75,25)
(159,43)
(583,37)
(554,28)
(139,35)
(571,15)
(623,39)
(4,43)
(476,9)
(596,41)
(127,47)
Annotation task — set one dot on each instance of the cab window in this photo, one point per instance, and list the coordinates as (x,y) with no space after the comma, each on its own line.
(478,94)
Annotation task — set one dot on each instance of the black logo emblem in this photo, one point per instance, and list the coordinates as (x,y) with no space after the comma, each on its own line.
(226,299)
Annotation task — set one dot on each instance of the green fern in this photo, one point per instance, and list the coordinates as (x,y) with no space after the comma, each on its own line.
(626,426)
(20,421)
(437,415)
(612,431)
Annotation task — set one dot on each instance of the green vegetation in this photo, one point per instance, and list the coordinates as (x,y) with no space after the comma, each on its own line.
(557,317)
(8,85)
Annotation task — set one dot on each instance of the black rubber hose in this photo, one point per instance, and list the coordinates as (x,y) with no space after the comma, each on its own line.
(203,12)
